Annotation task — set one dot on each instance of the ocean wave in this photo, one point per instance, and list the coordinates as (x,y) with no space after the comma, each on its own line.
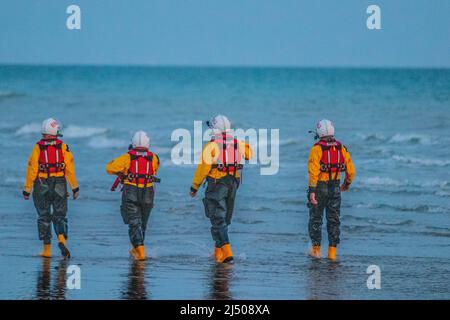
(422,161)
(435,234)
(10,94)
(410,138)
(372,137)
(421,208)
(83,132)
(30,128)
(289,142)
(107,143)
(441,193)
(70,132)
(382,181)
(378,221)
(354,229)
(386,181)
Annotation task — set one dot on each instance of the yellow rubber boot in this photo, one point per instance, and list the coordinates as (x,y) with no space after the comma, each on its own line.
(227,254)
(62,244)
(218,254)
(332,253)
(315,252)
(138,253)
(46,252)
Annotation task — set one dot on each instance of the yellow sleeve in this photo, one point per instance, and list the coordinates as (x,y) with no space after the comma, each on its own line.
(246,150)
(155,164)
(70,167)
(314,165)
(119,165)
(350,167)
(207,158)
(32,169)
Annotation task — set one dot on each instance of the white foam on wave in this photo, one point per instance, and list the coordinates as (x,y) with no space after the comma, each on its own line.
(382,181)
(103,142)
(372,137)
(82,132)
(386,181)
(71,131)
(410,138)
(422,161)
(30,128)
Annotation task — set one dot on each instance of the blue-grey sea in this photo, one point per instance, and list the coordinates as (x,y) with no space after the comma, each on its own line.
(394,122)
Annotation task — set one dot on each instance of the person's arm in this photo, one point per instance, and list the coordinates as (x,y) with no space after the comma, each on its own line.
(313,171)
(70,170)
(207,158)
(155,163)
(314,166)
(119,165)
(32,171)
(349,169)
(245,150)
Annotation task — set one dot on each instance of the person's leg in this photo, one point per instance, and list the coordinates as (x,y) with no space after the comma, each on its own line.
(316,218)
(132,215)
(231,197)
(147,206)
(59,202)
(216,210)
(42,204)
(333,212)
(58,191)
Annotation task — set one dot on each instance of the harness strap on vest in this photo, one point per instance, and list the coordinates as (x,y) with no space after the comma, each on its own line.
(224,166)
(45,166)
(136,175)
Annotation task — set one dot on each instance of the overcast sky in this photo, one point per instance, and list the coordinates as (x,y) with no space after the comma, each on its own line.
(415,33)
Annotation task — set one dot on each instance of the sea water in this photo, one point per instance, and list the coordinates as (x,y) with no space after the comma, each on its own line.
(394,122)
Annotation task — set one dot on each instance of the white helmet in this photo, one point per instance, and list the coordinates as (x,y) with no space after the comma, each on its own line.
(140,140)
(51,127)
(219,123)
(324,128)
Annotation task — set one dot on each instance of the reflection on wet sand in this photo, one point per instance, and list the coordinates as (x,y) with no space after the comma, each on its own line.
(221,274)
(323,280)
(44,290)
(135,287)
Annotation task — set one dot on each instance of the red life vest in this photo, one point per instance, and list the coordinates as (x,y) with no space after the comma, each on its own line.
(230,157)
(332,160)
(141,167)
(51,158)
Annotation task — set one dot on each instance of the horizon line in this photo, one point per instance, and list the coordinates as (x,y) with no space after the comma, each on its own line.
(218,66)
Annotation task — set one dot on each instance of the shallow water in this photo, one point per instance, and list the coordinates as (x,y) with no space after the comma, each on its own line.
(395,123)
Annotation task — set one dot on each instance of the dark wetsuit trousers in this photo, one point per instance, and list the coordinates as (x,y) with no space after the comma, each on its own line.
(328,196)
(219,204)
(137,203)
(50,200)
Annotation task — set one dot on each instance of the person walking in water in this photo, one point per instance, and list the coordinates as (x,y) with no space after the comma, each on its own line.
(137,168)
(328,158)
(220,162)
(50,167)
